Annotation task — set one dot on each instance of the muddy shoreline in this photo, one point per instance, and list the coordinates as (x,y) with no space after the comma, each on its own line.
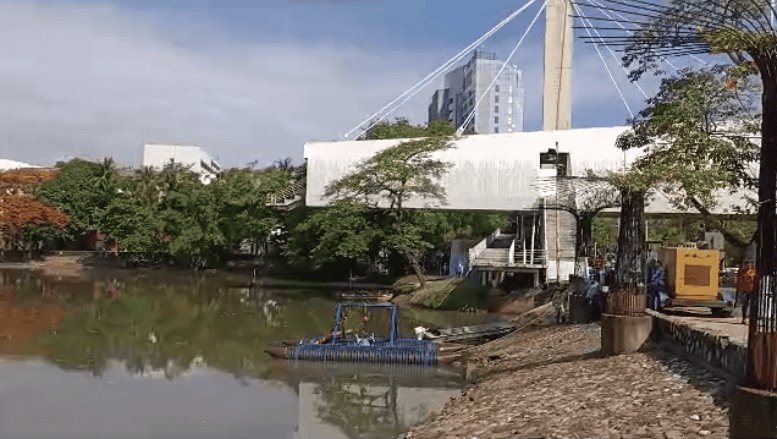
(550,381)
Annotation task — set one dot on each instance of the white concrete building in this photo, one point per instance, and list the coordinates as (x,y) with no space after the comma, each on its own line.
(157,156)
(7,165)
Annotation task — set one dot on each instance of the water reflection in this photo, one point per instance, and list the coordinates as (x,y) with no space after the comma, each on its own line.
(367,401)
(190,333)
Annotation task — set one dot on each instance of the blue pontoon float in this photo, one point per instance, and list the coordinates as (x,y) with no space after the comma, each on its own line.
(340,347)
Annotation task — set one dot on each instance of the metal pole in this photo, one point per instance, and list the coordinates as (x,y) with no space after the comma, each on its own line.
(558,226)
(533,234)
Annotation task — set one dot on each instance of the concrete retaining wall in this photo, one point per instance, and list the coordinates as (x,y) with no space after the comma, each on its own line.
(717,350)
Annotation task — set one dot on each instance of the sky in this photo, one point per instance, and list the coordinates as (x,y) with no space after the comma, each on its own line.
(249,80)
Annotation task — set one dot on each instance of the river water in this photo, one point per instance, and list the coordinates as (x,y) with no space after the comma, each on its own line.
(150,355)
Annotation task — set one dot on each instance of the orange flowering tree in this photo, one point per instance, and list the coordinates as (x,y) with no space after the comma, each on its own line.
(24,219)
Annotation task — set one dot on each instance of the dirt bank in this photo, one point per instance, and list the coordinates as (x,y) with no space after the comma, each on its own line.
(551,382)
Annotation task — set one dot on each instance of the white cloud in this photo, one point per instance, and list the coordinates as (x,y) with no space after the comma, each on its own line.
(95,81)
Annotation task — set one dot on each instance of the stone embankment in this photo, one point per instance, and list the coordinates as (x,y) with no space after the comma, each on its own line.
(552,382)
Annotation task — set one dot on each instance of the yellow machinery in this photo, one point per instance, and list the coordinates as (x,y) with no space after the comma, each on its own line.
(692,279)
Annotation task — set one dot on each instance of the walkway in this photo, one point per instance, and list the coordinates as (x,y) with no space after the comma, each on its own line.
(551,383)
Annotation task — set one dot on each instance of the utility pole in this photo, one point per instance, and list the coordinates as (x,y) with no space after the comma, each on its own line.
(557,87)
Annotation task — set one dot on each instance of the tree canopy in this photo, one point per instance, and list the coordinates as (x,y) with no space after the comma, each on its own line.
(742,30)
(696,135)
(24,219)
(388,180)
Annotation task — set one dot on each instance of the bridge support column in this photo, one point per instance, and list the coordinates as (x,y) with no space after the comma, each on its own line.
(557,89)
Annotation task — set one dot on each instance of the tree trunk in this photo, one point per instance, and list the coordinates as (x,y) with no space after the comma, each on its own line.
(419,273)
(584,235)
(761,346)
(631,240)
(766,259)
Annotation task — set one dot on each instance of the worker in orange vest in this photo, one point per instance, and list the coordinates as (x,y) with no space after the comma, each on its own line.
(746,279)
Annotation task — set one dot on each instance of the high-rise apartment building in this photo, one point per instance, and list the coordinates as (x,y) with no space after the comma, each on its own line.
(501,111)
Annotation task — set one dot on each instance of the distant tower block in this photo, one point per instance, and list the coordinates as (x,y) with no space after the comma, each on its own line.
(557,87)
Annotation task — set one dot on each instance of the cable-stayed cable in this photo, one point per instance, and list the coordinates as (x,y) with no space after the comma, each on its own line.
(604,63)
(412,91)
(587,23)
(471,114)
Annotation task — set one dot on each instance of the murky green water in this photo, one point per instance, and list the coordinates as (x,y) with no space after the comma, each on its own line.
(174,356)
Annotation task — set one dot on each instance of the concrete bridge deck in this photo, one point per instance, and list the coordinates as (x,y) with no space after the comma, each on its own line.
(498,172)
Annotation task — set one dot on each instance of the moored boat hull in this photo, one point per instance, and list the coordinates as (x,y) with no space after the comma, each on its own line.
(430,355)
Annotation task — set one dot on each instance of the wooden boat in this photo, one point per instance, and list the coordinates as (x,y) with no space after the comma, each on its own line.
(472,334)
(341,347)
(366,295)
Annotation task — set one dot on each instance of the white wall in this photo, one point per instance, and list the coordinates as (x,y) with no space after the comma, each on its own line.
(158,156)
(489,172)
(496,172)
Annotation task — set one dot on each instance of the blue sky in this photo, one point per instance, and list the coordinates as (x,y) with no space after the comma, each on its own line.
(246,79)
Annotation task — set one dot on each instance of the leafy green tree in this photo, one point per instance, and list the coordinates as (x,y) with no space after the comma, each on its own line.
(344,233)
(401,128)
(741,30)
(696,136)
(241,198)
(391,178)
(136,227)
(76,192)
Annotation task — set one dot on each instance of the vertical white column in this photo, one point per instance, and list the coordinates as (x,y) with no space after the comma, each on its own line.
(557,87)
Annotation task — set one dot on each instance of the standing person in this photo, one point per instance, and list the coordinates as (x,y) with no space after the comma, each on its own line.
(745,286)
(460,270)
(592,298)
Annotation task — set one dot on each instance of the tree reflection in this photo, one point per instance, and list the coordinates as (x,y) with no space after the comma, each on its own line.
(361,410)
(169,328)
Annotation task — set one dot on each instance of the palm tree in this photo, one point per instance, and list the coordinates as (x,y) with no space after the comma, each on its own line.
(107,178)
(148,187)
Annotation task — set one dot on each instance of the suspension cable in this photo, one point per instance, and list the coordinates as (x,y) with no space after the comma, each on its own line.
(604,63)
(471,114)
(587,23)
(412,91)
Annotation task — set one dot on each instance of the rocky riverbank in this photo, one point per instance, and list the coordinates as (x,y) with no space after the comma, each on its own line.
(552,382)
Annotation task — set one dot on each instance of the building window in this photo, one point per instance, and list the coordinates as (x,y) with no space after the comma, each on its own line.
(510,120)
(496,108)
(496,99)
(510,89)
(496,88)
(496,120)
(496,130)
(510,99)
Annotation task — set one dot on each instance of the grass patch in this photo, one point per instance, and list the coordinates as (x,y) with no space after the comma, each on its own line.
(450,294)
(405,284)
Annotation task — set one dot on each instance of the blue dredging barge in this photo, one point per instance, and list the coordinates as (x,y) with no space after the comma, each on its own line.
(340,346)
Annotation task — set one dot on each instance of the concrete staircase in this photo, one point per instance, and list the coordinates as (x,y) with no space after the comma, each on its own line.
(290,197)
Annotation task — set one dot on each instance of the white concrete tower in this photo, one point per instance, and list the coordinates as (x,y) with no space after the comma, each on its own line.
(557,83)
